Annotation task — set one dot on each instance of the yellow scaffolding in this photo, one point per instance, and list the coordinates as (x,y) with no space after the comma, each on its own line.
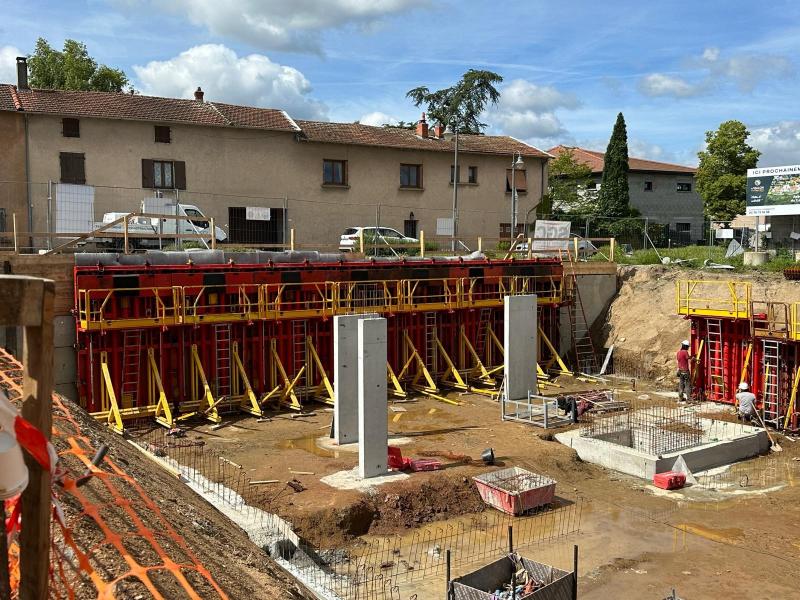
(722,298)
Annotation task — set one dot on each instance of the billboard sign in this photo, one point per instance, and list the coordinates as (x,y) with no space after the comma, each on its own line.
(773,191)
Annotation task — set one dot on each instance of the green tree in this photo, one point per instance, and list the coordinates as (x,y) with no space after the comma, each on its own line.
(722,174)
(614,197)
(72,69)
(567,185)
(460,105)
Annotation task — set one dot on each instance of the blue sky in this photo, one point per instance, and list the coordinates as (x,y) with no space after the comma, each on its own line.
(675,69)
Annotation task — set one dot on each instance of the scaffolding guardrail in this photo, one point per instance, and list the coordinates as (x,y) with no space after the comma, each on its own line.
(724,298)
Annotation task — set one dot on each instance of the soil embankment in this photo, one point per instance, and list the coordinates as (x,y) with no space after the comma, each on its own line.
(642,322)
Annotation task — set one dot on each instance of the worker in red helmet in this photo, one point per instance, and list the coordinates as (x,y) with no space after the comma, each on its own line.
(684,375)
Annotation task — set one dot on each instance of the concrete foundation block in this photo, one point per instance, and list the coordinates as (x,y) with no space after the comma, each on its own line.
(373,402)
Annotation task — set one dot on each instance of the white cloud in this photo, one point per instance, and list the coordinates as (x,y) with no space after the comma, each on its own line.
(779,143)
(742,70)
(284,24)
(252,80)
(377,119)
(658,84)
(8,63)
(527,110)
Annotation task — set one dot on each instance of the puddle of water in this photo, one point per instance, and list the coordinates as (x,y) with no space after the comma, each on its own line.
(309,444)
(728,536)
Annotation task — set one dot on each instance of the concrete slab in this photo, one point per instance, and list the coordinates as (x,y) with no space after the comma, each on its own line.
(722,443)
(373,401)
(345,376)
(520,328)
(352,480)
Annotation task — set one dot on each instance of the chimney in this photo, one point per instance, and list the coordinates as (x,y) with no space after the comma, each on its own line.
(198,94)
(22,73)
(422,127)
(438,131)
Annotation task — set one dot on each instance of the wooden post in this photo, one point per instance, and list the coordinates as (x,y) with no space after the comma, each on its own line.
(125,235)
(213,234)
(480,244)
(575,242)
(16,242)
(421,243)
(530,247)
(291,239)
(361,240)
(613,243)
(28,301)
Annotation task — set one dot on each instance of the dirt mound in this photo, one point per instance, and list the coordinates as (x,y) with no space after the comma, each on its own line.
(643,323)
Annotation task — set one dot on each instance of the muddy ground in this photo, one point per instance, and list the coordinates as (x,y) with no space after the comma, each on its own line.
(636,542)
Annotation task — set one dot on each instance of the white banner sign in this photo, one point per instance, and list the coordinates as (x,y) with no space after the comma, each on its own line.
(257,213)
(551,230)
(724,234)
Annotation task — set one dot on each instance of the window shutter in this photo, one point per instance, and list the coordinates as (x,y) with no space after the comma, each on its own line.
(79,162)
(65,165)
(180,175)
(522,181)
(147,173)
(73,168)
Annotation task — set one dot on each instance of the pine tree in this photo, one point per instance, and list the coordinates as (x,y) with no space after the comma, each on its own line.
(614,197)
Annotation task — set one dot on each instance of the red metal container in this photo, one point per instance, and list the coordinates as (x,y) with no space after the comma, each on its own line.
(515,491)
(669,480)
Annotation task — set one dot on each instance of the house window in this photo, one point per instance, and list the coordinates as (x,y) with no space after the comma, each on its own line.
(411,176)
(520,180)
(684,187)
(71,128)
(164,174)
(648,186)
(684,232)
(472,175)
(505,229)
(451,174)
(592,185)
(73,169)
(334,172)
(410,228)
(163,134)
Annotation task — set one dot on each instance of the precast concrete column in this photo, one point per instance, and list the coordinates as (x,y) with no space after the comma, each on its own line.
(345,377)
(520,324)
(373,428)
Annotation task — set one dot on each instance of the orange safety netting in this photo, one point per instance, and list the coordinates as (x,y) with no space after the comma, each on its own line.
(114,540)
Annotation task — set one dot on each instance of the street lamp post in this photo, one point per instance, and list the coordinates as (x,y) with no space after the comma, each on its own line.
(515,164)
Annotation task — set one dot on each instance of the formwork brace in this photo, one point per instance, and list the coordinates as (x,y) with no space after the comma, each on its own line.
(325,383)
(396,388)
(745,365)
(163,413)
(249,403)
(109,398)
(790,410)
(485,375)
(563,367)
(422,371)
(197,372)
(287,395)
(457,381)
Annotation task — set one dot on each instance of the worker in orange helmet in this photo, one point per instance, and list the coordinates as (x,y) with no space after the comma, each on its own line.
(684,375)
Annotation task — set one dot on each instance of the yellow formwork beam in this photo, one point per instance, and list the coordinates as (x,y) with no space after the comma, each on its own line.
(431,389)
(324,390)
(163,413)
(287,397)
(478,367)
(204,396)
(249,403)
(395,388)
(790,409)
(108,399)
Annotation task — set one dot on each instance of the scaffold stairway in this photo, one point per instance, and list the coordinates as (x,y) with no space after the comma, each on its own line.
(300,355)
(716,361)
(131,362)
(222,343)
(431,355)
(771,410)
(581,336)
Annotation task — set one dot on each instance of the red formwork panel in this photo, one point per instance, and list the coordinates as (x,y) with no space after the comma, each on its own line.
(137,289)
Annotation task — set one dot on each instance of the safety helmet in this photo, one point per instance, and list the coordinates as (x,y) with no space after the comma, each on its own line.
(685,343)
(743,386)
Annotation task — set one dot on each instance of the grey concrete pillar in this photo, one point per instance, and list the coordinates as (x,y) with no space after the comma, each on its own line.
(373,427)
(345,377)
(520,326)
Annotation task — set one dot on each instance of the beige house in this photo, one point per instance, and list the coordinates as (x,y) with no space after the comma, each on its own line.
(115,150)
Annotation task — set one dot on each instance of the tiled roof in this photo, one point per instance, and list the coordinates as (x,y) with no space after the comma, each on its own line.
(595,160)
(106,105)
(394,137)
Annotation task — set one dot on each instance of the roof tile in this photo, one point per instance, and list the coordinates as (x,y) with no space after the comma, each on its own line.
(595,161)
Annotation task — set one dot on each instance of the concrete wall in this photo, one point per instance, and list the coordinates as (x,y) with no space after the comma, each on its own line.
(597,284)
(241,167)
(13,190)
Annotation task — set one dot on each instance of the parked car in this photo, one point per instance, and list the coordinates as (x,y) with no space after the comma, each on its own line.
(585,247)
(349,242)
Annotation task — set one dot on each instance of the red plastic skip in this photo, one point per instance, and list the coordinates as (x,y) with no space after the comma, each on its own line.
(669,480)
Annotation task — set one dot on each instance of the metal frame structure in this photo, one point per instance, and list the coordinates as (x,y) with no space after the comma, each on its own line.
(210,339)
(736,339)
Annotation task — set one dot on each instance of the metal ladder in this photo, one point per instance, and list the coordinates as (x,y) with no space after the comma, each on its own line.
(716,362)
(581,336)
(484,322)
(222,344)
(131,363)
(431,349)
(300,357)
(770,407)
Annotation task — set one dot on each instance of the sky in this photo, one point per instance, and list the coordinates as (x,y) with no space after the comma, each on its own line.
(675,69)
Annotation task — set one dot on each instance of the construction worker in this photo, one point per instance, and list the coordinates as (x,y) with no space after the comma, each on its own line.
(684,376)
(746,401)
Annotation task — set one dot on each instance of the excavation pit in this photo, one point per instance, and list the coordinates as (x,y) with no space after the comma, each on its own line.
(649,441)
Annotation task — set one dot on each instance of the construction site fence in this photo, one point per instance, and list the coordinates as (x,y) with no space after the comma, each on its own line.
(40,216)
(379,567)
